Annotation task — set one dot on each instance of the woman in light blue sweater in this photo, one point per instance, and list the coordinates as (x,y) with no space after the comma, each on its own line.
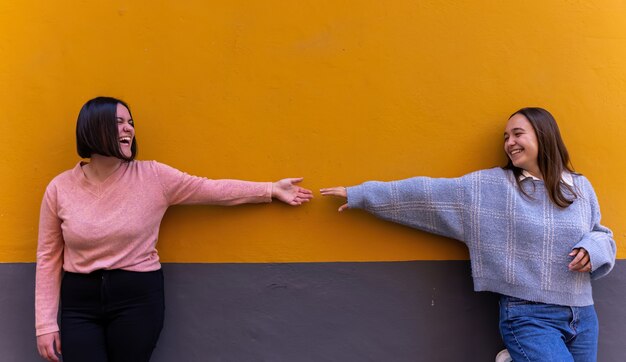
(533,232)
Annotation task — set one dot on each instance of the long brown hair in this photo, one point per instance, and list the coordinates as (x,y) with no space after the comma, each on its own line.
(552,156)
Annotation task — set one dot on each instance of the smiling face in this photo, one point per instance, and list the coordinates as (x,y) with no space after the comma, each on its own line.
(125,130)
(520,144)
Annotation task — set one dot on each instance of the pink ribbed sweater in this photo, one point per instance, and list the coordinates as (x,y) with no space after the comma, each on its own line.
(85,226)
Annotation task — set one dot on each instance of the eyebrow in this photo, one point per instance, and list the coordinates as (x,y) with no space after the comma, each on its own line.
(515,129)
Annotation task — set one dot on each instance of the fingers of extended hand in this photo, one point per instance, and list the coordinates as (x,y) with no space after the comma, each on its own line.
(299,199)
(295,180)
(299,195)
(305,193)
(303,198)
(334,191)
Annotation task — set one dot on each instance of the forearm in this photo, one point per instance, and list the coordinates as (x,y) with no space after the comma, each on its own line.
(225,192)
(181,188)
(50,247)
(599,241)
(47,293)
(428,204)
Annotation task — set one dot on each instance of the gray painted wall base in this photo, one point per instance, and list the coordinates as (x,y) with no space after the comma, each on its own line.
(378,311)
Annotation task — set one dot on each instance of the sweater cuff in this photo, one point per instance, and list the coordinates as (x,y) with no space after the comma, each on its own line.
(355,197)
(268,191)
(601,264)
(46,330)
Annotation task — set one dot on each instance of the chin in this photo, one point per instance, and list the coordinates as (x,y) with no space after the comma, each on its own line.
(518,164)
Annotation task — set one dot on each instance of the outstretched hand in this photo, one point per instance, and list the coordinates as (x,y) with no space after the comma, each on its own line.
(338,191)
(581,262)
(288,192)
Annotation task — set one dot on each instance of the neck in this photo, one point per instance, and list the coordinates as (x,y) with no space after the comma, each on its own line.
(101,167)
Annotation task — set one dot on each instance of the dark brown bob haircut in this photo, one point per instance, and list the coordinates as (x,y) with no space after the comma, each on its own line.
(96,129)
(552,157)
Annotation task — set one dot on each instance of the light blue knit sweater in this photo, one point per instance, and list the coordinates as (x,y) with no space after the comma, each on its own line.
(518,246)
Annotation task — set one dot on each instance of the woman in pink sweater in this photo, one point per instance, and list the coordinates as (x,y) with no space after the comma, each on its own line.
(99,226)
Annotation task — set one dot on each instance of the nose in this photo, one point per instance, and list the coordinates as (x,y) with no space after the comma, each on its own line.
(509,141)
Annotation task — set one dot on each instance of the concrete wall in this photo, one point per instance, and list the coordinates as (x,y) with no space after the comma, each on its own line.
(337,92)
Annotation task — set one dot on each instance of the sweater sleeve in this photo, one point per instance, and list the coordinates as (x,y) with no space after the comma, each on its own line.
(49,265)
(181,188)
(435,205)
(599,241)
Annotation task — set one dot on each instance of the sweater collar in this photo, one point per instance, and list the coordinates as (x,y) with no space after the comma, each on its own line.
(97,188)
(566,177)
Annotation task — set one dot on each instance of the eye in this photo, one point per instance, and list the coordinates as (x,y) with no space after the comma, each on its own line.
(131,122)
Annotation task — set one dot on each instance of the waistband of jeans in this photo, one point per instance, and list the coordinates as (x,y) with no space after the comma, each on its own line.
(105,272)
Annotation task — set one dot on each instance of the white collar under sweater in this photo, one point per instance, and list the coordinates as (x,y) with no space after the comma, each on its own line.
(566,177)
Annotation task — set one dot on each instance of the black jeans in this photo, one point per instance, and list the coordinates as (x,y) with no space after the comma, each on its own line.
(111,315)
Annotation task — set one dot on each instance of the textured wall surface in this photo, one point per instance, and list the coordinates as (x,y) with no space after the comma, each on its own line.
(338,92)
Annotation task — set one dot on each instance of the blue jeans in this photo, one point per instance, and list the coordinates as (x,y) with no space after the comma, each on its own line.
(546,332)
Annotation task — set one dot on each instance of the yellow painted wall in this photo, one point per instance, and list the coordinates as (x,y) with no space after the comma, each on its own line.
(336,91)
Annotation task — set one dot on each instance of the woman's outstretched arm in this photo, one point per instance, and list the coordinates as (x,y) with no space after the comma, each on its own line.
(435,205)
(181,188)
